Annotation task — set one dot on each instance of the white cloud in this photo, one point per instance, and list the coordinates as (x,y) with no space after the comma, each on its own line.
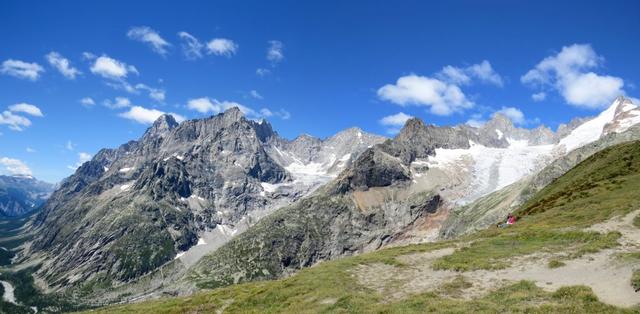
(30,150)
(150,37)
(15,167)
(147,116)
(568,73)
(275,51)
(156,94)
(440,97)
(88,56)
(395,122)
(207,105)
(82,158)
(398,119)
(62,64)
(21,69)
(482,71)
(263,72)
(117,103)
(69,146)
(110,68)
(476,121)
(191,46)
(514,114)
(254,93)
(539,96)
(26,108)
(17,122)
(87,101)
(222,47)
(266,112)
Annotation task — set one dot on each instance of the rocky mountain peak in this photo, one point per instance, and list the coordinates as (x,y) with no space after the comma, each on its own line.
(162,125)
(499,122)
(232,114)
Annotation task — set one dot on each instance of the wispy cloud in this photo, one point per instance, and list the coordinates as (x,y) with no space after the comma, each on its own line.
(16,122)
(275,52)
(82,158)
(156,94)
(222,47)
(482,72)
(87,101)
(117,103)
(150,37)
(191,46)
(206,105)
(62,64)
(254,93)
(21,69)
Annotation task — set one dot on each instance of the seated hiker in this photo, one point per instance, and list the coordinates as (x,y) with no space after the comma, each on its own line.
(511,219)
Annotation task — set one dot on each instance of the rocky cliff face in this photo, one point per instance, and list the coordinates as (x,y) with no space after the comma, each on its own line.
(21,194)
(180,187)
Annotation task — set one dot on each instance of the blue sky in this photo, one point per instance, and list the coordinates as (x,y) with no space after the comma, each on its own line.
(317,67)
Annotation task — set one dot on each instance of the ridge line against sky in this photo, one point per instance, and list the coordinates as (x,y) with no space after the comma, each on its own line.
(89,76)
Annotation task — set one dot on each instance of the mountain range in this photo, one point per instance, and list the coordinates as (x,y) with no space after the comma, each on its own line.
(222,200)
(22,194)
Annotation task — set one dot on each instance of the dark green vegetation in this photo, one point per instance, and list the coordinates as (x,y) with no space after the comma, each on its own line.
(25,291)
(601,187)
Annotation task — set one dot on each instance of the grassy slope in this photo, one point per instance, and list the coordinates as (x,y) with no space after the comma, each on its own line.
(599,188)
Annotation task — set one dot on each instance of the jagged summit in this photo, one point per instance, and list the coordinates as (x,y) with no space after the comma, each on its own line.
(162,125)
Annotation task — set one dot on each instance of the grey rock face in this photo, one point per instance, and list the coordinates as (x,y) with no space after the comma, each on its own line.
(131,209)
(20,195)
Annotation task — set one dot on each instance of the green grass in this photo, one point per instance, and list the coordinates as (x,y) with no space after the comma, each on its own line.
(603,186)
(635,279)
(554,263)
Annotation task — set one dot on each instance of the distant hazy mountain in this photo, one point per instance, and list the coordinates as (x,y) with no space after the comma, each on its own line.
(22,194)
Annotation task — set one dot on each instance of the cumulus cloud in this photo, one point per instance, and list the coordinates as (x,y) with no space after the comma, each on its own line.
(62,64)
(15,167)
(482,72)
(82,158)
(395,122)
(156,94)
(12,118)
(112,69)
(569,73)
(191,46)
(21,69)
(222,47)
(440,97)
(26,108)
(275,52)
(147,115)
(87,101)
(150,37)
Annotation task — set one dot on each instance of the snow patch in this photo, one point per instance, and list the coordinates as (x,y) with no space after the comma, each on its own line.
(126,169)
(589,131)
(499,134)
(125,187)
(201,242)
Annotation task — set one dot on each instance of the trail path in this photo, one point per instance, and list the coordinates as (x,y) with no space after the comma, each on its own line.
(606,274)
